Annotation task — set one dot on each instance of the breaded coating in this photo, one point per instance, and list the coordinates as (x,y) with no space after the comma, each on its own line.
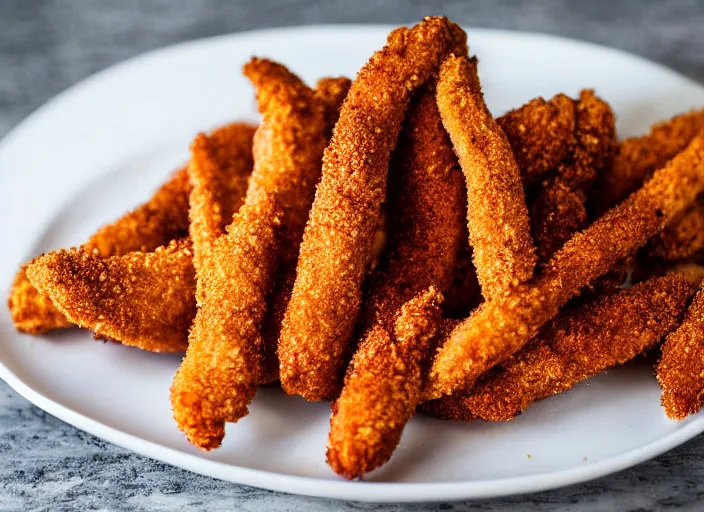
(558,210)
(635,159)
(331,92)
(31,311)
(141,299)
(497,216)
(579,343)
(426,194)
(219,171)
(158,221)
(382,388)
(223,365)
(692,272)
(500,327)
(682,238)
(338,239)
(155,223)
(680,370)
(541,134)
(220,373)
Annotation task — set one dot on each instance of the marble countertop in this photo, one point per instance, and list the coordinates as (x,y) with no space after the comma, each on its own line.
(46,46)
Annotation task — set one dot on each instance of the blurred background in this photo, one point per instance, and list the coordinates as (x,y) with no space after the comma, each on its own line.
(47,46)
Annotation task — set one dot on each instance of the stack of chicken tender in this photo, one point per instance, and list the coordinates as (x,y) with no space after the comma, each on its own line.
(386,244)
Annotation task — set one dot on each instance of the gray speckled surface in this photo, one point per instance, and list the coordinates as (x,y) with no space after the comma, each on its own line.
(46,46)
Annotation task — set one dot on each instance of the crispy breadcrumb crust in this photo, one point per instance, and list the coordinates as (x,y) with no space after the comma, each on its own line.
(636,158)
(541,134)
(331,92)
(497,216)
(680,370)
(223,365)
(580,342)
(337,243)
(682,238)
(141,299)
(499,328)
(426,194)
(558,210)
(219,171)
(158,221)
(382,388)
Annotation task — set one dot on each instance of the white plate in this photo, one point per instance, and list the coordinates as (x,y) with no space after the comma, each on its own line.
(102,146)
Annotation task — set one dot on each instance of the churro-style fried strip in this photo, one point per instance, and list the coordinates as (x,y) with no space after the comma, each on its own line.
(141,299)
(382,388)
(682,238)
(559,209)
(502,326)
(338,239)
(223,365)
(541,134)
(635,159)
(161,219)
(426,195)
(331,92)
(497,216)
(681,367)
(579,343)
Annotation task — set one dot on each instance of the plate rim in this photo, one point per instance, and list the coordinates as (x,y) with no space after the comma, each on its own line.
(403,492)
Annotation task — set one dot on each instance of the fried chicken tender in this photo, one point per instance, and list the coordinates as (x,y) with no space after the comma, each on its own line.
(502,326)
(680,370)
(636,158)
(223,365)
(158,221)
(579,343)
(559,209)
(234,156)
(426,194)
(331,92)
(219,172)
(541,134)
(682,238)
(141,299)
(382,388)
(336,248)
(497,216)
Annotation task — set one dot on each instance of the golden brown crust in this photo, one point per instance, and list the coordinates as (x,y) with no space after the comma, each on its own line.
(144,300)
(31,311)
(155,223)
(541,134)
(336,247)
(382,388)
(497,216)
(331,92)
(579,343)
(635,159)
(426,195)
(682,238)
(219,170)
(500,327)
(223,365)
(681,367)
(559,208)
(158,221)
